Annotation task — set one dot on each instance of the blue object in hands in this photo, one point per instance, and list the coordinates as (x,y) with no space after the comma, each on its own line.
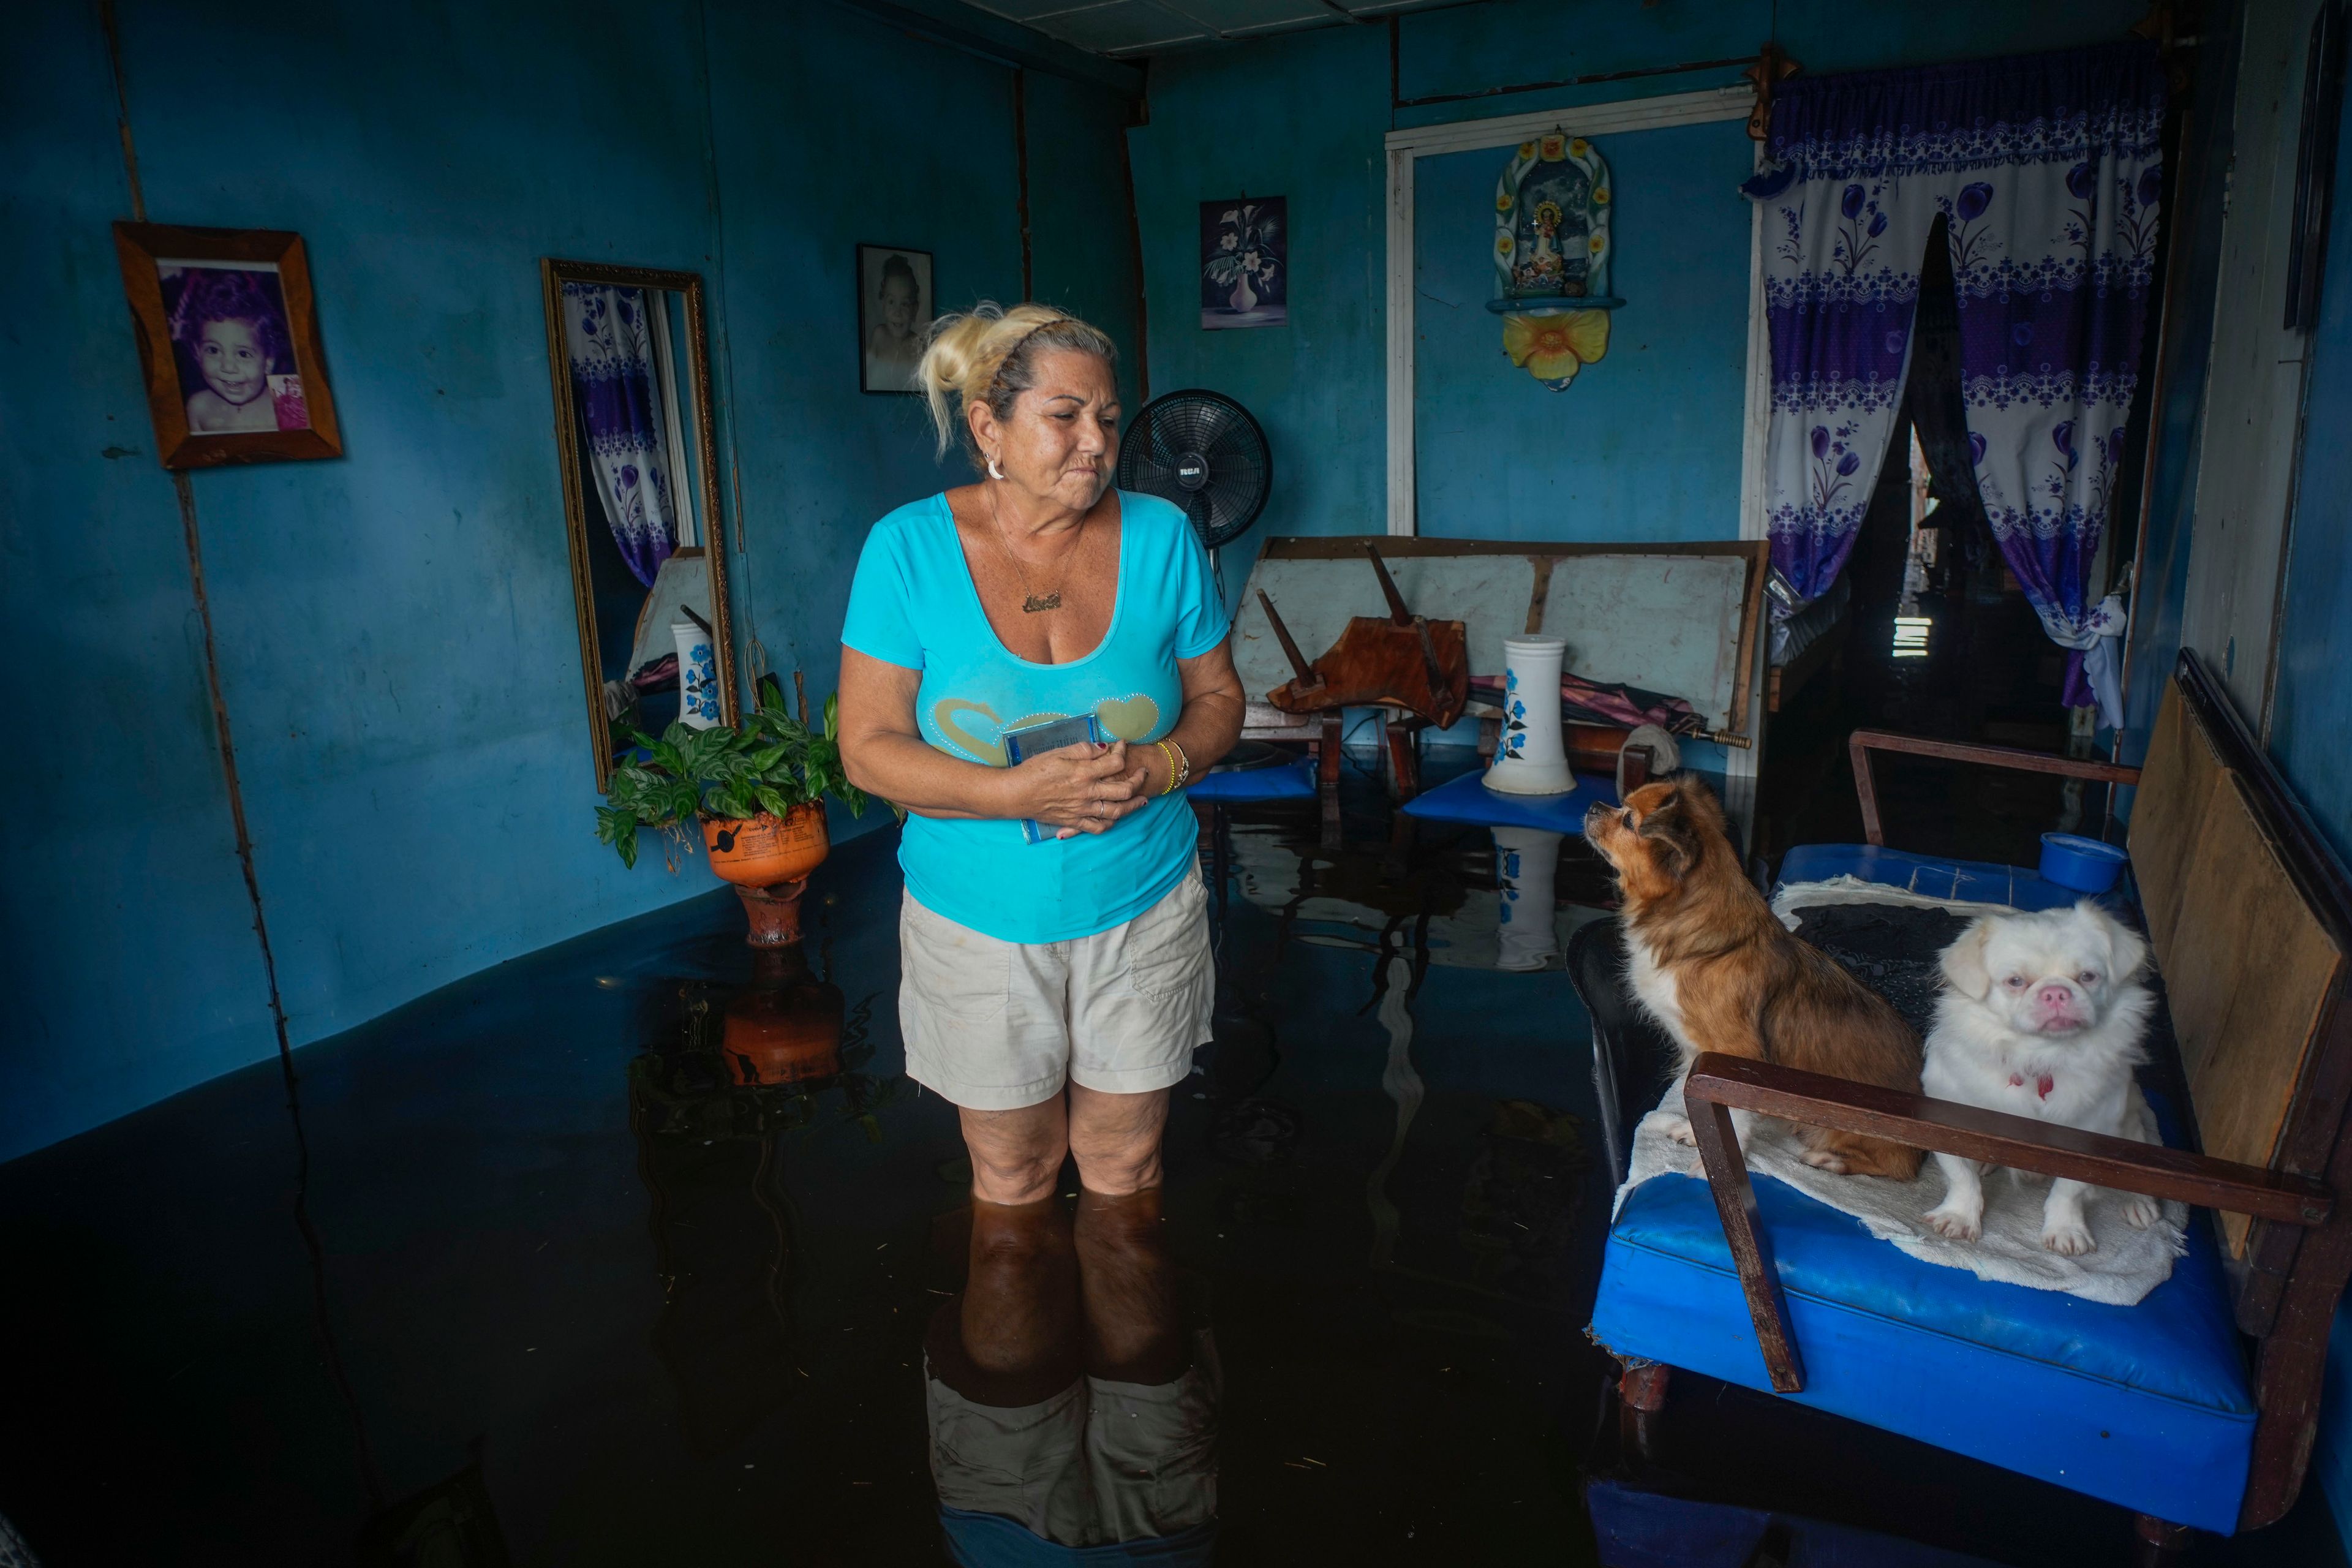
(1035,740)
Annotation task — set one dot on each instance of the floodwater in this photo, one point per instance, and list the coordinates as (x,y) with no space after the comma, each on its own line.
(526,1273)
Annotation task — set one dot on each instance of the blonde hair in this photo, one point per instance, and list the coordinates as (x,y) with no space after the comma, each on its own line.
(988,354)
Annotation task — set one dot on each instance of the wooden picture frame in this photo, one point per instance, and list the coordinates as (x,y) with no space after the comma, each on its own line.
(239,299)
(877,377)
(700,436)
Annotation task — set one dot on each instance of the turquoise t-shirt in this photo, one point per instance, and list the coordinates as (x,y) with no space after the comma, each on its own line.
(913,604)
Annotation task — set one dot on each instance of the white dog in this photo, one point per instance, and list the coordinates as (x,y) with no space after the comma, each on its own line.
(2043,1014)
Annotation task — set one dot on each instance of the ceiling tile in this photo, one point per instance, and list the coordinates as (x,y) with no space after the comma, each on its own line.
(1121,25)
(1020,10)
(1134,27)
(1245,16)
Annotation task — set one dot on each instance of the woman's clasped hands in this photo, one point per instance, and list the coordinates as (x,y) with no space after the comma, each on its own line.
(1078,789)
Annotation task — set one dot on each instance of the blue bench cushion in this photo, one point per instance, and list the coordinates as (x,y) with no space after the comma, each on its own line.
(1467,799)
(2147,1406)
(1283,780)
(1977,881)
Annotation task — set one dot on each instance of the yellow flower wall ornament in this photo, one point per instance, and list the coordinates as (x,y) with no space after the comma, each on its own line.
(1552,252)
(1553,348)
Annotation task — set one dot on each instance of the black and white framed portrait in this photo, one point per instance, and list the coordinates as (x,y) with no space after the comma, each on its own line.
(895,307)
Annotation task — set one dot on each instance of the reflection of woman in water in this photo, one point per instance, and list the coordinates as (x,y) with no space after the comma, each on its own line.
(235,335)
(896,343)
(1071,1405)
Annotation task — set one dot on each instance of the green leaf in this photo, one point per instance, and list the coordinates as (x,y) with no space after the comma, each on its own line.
(775,801)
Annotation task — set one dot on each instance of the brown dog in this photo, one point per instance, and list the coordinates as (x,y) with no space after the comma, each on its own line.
(1716,967)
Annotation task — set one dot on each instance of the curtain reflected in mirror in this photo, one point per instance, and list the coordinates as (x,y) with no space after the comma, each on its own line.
(634,433)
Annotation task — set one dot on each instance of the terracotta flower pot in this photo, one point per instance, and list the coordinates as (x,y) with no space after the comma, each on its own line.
(763,850)
(767,858)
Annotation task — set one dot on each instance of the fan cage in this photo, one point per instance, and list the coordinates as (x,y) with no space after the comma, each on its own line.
(1230,443)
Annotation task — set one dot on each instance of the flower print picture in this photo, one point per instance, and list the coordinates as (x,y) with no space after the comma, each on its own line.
(1245,262)
(231,346)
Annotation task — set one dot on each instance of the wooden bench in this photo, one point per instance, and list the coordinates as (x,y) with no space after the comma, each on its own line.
(2250,915)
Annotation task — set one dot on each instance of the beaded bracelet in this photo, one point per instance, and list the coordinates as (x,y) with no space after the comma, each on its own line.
(1179,766)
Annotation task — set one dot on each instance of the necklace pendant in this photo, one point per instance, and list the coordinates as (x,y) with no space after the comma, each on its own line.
(1033,604)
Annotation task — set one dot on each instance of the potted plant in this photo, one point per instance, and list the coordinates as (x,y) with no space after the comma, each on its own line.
(756,790)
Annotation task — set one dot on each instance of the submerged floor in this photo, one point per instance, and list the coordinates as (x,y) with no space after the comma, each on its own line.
(523,1273)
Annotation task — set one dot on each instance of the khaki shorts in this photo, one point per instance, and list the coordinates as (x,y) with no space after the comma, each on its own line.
(1098,1463)
(997,1026)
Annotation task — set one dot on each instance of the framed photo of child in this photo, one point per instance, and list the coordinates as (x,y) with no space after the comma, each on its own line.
(895,307)
(228,340)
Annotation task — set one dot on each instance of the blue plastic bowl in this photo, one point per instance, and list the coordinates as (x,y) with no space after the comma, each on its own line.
(2083,864)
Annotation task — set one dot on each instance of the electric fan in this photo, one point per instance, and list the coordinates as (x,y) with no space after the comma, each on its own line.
(1203,451)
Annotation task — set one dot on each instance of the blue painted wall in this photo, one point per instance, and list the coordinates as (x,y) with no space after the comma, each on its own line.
(2311,706)
(396,647)
(2199,188)
(2311,712)
(1303,116)
(1645,443)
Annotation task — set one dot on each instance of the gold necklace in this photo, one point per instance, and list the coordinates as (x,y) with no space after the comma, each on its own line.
(1031,600)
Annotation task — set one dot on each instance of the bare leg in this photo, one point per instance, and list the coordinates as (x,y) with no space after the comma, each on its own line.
(1127,1283)
(1017,1154)
(1961,1214)
(1115,1139)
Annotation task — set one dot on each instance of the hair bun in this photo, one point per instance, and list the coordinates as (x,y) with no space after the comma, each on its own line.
(984,355)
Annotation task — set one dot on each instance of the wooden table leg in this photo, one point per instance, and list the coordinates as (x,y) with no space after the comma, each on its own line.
(1404,759)
(1640,1395)
(1327,779)
(2161,1541)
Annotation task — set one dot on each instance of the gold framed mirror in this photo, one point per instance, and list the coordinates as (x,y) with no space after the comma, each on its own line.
(626,349)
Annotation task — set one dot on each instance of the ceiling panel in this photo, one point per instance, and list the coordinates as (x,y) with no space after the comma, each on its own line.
(1130,27)
(1249,15)
(1023,10)
(1121,27)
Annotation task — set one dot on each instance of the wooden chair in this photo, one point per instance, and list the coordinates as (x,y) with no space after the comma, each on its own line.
(2250,915)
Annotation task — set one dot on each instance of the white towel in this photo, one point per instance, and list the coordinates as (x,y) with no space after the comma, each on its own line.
(2129,1264)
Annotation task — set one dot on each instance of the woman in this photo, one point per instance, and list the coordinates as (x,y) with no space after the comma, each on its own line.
(1053,991)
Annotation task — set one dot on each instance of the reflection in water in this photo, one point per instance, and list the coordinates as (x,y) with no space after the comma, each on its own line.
(1528,933)
(450,1524)
(1072,1404)
(785,1027)
(712,1110)
(1402,1084)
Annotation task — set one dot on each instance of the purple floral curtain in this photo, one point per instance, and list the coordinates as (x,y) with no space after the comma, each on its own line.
(610,342)
(2046,170)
